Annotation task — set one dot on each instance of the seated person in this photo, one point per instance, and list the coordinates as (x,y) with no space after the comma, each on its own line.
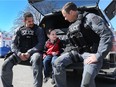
(52,51)
(27,44)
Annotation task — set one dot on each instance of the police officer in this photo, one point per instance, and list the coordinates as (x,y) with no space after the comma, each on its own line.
(92,40)
(27,44)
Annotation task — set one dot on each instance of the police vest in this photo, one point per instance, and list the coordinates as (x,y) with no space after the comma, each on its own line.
(27,38)
(83,38)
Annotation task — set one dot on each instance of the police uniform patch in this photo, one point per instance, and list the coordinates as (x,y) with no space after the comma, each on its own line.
(96,19)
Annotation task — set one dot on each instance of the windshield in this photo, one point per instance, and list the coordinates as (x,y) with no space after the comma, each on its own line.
(48,6)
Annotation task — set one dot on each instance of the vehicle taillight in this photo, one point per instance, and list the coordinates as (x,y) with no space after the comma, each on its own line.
(114,44)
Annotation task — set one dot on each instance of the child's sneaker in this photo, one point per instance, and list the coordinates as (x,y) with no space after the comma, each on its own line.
(52,81)
(45,79)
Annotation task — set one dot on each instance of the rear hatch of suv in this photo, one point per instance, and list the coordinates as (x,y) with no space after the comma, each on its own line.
(52,17)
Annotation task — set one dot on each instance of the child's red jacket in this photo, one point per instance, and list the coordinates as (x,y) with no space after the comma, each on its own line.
(52,47)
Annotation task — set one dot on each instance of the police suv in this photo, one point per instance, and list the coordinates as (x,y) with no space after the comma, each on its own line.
(50,16)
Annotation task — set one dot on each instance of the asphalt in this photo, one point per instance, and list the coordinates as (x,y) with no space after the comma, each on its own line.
(22,76)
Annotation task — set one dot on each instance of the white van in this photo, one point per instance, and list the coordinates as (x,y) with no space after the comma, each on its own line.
(5,43)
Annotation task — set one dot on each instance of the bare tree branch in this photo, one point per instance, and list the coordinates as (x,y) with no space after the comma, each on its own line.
(45,7)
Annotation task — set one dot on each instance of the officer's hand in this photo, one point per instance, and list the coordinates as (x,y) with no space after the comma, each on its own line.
(22,57)
(91,59)
(27,55)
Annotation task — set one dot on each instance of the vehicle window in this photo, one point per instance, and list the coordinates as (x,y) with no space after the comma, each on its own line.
(47,6)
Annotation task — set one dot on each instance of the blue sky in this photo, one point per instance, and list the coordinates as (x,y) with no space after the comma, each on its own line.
(9,10)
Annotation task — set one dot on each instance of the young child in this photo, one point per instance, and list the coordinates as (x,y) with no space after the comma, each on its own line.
(52,47)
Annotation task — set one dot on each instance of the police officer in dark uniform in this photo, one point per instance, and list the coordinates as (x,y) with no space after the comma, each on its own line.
(92,40)
(27,45)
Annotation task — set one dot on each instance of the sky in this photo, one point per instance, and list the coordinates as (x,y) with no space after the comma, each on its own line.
(9,10)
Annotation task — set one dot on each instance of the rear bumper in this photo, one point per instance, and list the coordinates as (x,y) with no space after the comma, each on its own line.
(113,78)
(108,74)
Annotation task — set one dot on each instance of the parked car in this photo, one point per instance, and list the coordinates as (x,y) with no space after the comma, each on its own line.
(54,18)
(5,43)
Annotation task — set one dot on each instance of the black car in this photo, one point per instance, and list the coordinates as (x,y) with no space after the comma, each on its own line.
(52,17)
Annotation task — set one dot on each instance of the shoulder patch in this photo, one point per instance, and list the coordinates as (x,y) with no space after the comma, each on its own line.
(96,20)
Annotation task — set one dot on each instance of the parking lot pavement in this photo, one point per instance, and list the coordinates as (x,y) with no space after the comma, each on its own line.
(23,76)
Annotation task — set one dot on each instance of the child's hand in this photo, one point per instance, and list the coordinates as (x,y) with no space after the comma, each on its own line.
(54,53)
(44,55)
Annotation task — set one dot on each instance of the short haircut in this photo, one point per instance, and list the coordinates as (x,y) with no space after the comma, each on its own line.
(27,14)
(48,31)
(69,6)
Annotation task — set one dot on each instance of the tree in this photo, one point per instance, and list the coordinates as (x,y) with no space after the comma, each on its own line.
(45,7)
(18,21)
